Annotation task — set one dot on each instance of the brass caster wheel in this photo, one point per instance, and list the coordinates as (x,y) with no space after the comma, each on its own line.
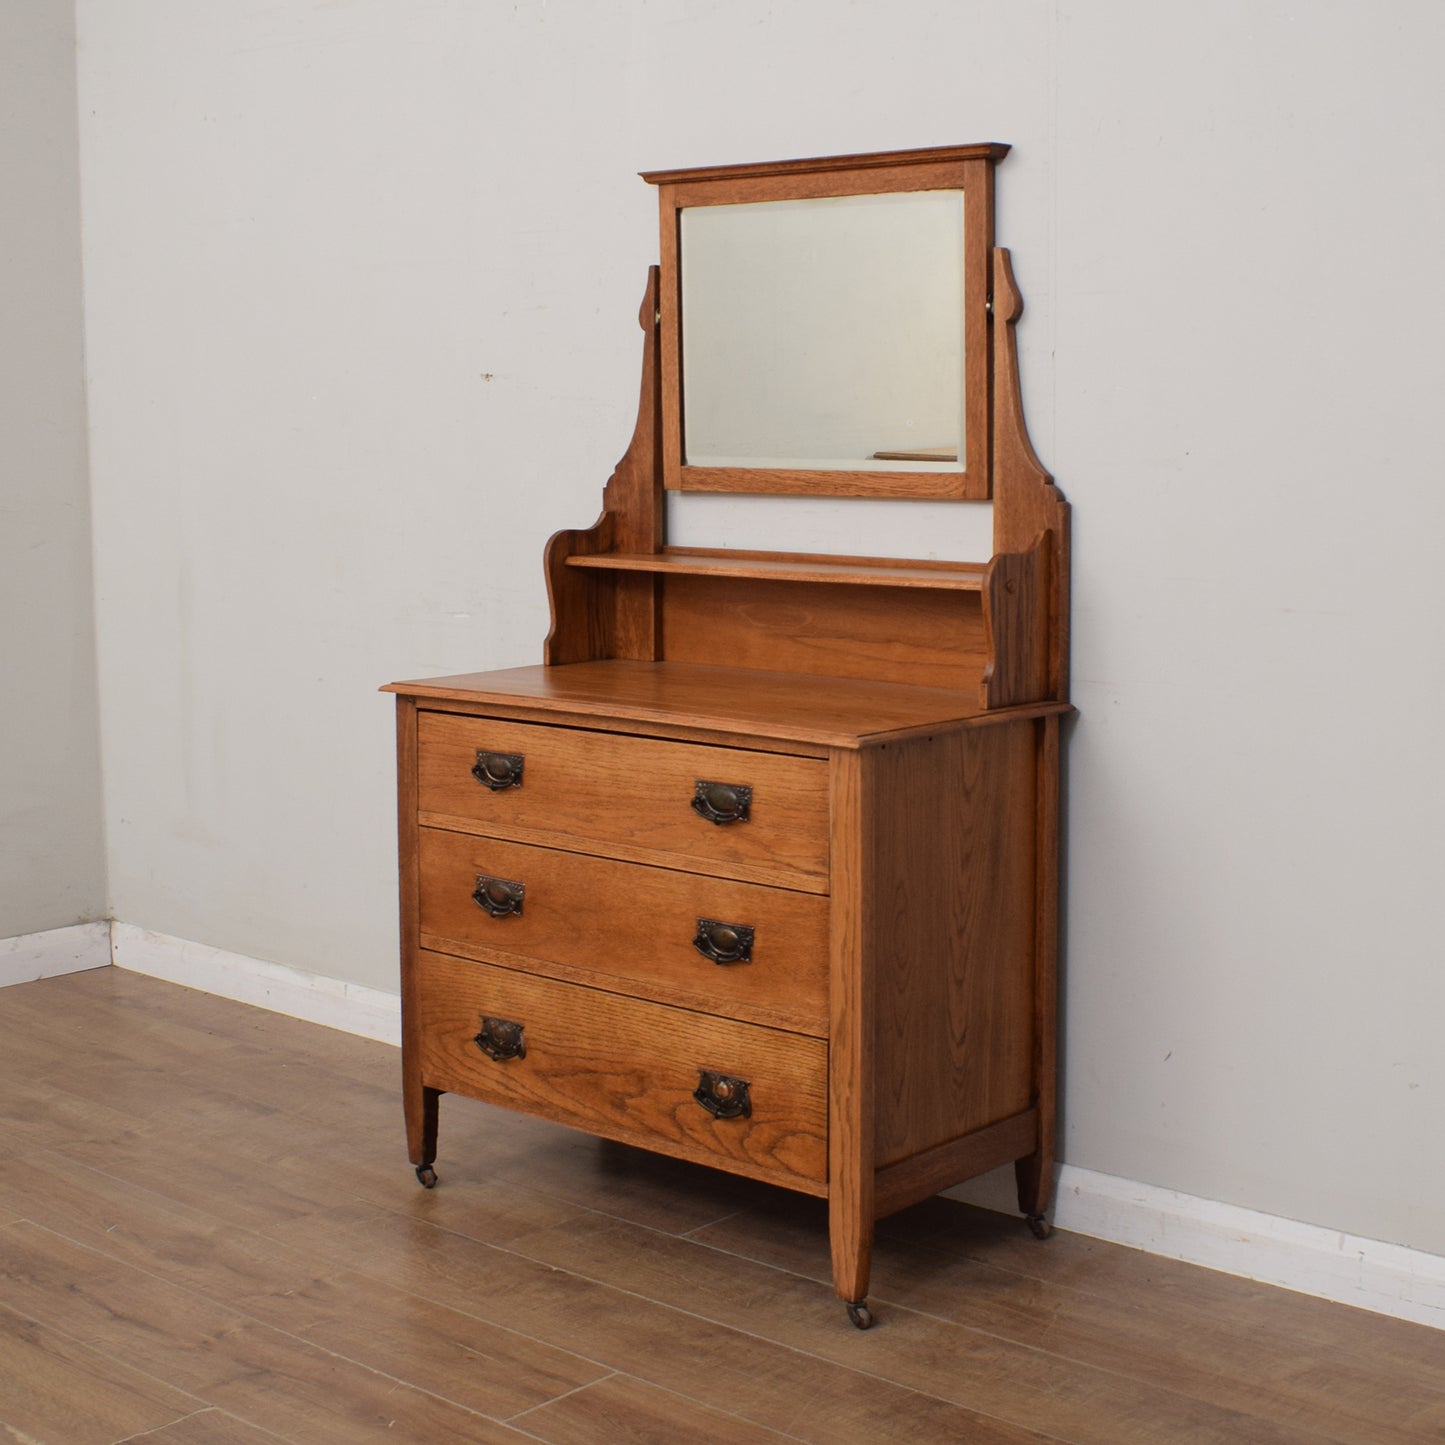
(1040,1226)
(859,1313)
(427,1176)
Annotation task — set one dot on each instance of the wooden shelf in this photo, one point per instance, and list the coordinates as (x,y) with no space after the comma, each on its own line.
(852,571)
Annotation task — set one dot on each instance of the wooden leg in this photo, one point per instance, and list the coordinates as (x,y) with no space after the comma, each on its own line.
(850,1233)
(850,1084)
(1035,1174)
(420,1103)
(1035,1177)
(421,1131)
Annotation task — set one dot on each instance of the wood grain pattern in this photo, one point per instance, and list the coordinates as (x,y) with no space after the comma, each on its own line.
(222,1355)
(584,619)
(631,929)
(981,150)
(978,188)
(824,1401)
(595,788)
(725,701)
(1016,612)
(970,1367)
(627,1069)
(951,872)
(792,567)
(926,1173)
(205,1427)
(624,1411)
(52,1388)
(1026,502)
(1163,1329)
(938,486)
(871,634)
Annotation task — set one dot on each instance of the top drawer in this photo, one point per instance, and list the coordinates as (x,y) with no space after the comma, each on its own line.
(638,798)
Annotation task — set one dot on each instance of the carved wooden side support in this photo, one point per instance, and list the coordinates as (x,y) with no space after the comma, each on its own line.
(1026,502)
(582,614)
(1028,507)
(600,615)
(1017,611)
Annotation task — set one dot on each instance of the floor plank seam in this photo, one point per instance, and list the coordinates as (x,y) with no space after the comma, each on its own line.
(209,1410)
(676,1395)
(565,1395)
(972,1330)
(710,1224)
(202,1404)
(718,1324)
(1229,1411)
(246,1315)
(1014,1343)
(693,1314)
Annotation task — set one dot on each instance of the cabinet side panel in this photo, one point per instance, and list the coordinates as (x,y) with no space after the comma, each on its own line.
(952,878)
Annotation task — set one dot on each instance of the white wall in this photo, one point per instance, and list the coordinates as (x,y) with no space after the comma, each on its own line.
(52,857)
(362,281)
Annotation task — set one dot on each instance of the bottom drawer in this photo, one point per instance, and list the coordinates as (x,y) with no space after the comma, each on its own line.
(627,1069)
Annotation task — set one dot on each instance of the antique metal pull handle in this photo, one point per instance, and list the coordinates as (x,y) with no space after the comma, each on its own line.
(501,897)
(724,942)
(722,802)
(722,1095)
(501,1039)
(498,770)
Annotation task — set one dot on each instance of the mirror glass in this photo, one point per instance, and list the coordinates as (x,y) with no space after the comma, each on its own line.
(824,334)
(844,526)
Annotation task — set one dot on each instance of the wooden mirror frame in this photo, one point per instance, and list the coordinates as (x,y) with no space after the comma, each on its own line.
(952,168)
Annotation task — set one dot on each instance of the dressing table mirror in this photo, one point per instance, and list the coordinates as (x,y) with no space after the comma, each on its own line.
(759,867)
(828,316)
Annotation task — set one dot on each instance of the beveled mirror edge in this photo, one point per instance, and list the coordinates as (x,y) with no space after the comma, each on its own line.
(968,168)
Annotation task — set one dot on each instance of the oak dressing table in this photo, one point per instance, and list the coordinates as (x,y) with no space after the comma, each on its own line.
(759,868)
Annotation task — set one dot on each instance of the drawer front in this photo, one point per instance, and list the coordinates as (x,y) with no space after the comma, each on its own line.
(631,928)
(633,797)
(626,1068)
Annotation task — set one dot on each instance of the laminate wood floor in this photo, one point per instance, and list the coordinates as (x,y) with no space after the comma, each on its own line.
(209,1233)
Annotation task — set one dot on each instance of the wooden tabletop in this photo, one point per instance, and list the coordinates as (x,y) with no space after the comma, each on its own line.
(835,712)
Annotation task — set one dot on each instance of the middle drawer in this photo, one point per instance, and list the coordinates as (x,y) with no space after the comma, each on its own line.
(706,943)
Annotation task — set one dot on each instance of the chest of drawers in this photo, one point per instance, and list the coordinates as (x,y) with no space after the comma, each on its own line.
(759,868)
(809,954)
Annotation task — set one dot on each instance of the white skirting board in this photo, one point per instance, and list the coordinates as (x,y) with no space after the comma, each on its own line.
(1349,1269)
(56,951)
(1388,1279)
(351,1007)
(1366,1273)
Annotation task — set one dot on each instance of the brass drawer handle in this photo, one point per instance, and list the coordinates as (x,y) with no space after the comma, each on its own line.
(501,1039)
(724,942)
(501,897)
(498,770)
(722,802)
(722,1095)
